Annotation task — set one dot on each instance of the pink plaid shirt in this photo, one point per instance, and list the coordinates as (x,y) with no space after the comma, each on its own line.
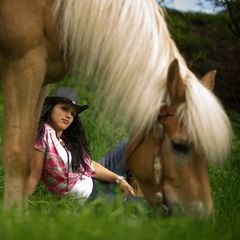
(54,174)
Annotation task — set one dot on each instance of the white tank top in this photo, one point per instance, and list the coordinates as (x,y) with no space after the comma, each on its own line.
(83,187)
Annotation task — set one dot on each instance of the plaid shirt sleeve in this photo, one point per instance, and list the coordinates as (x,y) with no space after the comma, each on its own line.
(40,144)
(90,171)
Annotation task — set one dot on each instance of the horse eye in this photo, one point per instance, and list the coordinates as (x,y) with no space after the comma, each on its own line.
(181,147)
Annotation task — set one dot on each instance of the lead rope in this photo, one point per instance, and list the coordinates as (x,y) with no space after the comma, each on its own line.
(158,169)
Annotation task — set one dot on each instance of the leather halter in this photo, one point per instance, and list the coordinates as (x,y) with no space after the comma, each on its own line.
(158,133)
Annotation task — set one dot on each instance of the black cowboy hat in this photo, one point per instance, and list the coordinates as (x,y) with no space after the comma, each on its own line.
(66,95)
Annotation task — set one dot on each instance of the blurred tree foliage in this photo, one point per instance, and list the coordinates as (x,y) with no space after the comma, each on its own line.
(233,8)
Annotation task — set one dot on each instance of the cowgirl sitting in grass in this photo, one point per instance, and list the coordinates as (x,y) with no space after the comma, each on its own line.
(61,156)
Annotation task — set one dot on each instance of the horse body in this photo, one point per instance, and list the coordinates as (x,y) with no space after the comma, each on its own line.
(28,26)
(126,48)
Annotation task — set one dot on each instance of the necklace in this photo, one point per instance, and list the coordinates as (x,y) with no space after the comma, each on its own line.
(61,142)
(68,165)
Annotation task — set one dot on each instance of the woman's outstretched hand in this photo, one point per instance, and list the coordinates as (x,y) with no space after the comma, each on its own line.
(126,187)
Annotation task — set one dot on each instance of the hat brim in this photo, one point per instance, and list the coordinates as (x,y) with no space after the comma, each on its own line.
(79,108)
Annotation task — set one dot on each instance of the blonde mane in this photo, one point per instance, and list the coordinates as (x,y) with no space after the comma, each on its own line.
(125,46)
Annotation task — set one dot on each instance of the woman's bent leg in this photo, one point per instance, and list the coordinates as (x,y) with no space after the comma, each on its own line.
(114,159)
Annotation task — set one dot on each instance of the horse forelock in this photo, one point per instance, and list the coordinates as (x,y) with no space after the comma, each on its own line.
(207,123)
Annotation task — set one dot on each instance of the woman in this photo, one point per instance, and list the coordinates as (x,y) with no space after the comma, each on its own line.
(61,156)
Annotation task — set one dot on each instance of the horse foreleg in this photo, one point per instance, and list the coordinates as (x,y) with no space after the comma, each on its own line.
(43,93)
(22,81)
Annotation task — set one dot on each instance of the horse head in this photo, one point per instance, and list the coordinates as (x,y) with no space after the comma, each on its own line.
(167,166)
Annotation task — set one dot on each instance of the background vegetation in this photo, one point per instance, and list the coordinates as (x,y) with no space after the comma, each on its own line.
(201,38)
(207,42)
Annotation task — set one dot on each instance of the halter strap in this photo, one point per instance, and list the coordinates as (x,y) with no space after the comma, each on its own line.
(158,132)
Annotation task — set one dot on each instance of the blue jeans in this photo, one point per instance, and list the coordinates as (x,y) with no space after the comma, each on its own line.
(113,160)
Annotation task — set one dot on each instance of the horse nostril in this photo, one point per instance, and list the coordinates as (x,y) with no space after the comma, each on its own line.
(180,146)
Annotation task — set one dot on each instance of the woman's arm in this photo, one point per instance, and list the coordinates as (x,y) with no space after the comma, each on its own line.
(36,171)
(104,174)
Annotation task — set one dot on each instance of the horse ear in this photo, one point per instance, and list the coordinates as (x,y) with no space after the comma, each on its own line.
(208,80)
(175,84)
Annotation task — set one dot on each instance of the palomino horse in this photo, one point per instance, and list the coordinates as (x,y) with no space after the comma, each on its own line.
(125,47)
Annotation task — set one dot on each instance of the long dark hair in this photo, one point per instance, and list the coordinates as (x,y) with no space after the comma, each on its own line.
(74,136)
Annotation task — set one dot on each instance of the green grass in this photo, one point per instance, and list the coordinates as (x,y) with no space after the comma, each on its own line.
(52,217)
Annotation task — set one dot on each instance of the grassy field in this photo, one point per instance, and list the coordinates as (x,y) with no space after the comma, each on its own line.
(51,217)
